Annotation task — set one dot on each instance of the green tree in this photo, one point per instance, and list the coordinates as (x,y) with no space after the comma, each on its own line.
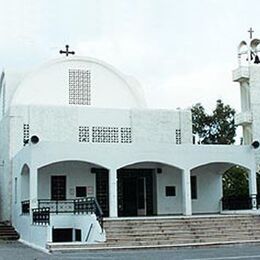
(235,182)
(219,128)
(216,128)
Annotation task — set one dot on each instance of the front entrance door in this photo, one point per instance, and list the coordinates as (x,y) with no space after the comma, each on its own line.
(58,187)
(141,196)
(135,192)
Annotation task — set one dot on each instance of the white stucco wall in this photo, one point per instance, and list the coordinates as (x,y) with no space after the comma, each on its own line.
(77,174)
(109,87)
(254,83)
(209,192)
(170,176)
(82,222)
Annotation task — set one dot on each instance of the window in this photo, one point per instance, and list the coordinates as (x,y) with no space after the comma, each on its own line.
(79,87)
(178,136)
(170,191)
(126,135)
(15,190)
(83,134)
(193,180)
(81,191)
(102,134)
(26,133)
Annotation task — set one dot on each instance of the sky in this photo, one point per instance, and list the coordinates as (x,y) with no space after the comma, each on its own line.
(181,52)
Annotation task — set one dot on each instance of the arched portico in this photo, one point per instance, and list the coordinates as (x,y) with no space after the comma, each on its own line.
(207,189)
(69,180)
(147,188)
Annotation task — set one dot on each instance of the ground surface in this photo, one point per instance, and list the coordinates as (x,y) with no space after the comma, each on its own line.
(17,251)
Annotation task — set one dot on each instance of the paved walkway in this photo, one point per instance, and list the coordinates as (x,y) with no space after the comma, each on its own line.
(18,251)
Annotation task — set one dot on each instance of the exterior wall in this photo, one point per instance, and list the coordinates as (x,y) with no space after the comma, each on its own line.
(209,192)
(157,126)
(170,176)
(61,124)
(78,174)
(82,222)
(255,104)
(5,169)
(35,235)
(109,88)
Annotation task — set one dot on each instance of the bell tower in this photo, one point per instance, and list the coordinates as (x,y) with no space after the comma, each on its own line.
(248,76)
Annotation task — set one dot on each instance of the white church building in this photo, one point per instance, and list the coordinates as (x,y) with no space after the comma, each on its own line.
(78,143)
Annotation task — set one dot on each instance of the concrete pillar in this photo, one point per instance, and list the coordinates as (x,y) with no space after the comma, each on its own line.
(113,209)
(253,187)
(33,187)
(186,193)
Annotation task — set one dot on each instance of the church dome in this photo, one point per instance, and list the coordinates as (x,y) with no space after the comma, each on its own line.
(79,81)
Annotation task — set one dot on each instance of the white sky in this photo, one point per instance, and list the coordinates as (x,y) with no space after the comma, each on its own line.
(181,51)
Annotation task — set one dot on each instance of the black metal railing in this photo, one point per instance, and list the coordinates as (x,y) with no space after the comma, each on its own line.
(41,216)
(25,207)
(236,202)
(87,205)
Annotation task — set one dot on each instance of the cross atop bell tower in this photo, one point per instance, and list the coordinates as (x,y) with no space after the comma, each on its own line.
(251,31)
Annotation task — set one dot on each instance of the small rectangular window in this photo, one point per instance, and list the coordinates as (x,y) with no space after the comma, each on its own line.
(81,191)
(15,190)
(26,133)
(78,235)
(178,136)
(193,180)
(170,191)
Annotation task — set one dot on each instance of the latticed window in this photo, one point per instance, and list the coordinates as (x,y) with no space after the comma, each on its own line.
(83,134)
(178,136)
(79,87)
(26,133)
(126,135)
(102,134)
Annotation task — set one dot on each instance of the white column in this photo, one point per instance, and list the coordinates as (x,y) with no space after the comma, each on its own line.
(33,188)
(186,193)
(253,187)
(113,193)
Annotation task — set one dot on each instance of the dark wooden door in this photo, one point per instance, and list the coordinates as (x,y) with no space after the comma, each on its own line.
(58,187)
(130,196)
(102,190)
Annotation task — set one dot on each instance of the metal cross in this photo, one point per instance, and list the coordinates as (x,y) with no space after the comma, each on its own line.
(67,52)
(251,32)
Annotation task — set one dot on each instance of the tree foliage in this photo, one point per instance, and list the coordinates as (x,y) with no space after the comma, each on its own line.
(216,128)
(219,128)
(235,182)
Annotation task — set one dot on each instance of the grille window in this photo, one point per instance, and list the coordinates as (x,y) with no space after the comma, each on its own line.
(26,133)
(79,87)
(178,136)
(126,135)
(102,134)
(83,134)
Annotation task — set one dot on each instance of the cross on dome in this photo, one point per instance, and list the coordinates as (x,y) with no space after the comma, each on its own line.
(251,31)
(67,52)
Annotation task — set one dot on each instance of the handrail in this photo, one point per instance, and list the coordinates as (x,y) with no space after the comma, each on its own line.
(41,216)
(236,202)
(90,228)
(99,214)
(76,206)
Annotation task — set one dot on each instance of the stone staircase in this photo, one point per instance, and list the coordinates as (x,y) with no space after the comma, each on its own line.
(173,231)
(7,232)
